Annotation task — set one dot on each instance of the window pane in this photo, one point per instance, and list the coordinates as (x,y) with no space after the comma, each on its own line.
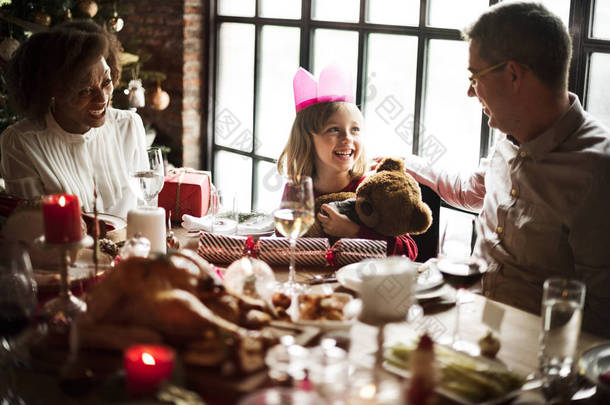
(335,47)
(450,135)
(395,12)
(235,86)
(601,16)
(269,186)
(390,94)
(336,10)
(455,14)
(281,8)
(279,57)
(598,98)
(457,229)
(242,8)
(232,176)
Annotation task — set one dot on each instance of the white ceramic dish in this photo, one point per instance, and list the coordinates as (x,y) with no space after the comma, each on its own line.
(350,276)
(595,362)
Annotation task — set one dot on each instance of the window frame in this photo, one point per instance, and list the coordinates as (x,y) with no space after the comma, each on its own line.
(580,24)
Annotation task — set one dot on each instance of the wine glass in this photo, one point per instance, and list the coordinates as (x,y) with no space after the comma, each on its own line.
(223,220)
(462,268)
(293,218)
(17,309)
(148,181)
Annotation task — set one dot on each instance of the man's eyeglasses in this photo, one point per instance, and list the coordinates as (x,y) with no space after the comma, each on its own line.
(475,76)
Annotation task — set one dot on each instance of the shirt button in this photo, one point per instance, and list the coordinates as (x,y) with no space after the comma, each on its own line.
(487,293)
(513,192)
(499,229)
(523,154)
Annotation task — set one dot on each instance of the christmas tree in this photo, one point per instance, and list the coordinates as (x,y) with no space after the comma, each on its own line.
(20,18)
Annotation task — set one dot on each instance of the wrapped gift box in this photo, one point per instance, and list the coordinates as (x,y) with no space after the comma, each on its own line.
(186,191)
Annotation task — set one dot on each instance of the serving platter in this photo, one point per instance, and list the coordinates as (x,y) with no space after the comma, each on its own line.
(479,365)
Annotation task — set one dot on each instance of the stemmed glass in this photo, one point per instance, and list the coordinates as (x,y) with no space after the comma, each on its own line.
(462,268)
(17,309)
(293,218)
(148,181)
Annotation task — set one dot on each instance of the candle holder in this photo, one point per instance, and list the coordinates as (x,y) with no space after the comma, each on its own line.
(63,309)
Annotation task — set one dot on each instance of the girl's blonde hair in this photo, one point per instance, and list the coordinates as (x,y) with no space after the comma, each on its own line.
(299,154)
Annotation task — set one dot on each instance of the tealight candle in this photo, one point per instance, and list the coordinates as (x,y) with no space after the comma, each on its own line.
(62,218)
(146,366)
(150,223)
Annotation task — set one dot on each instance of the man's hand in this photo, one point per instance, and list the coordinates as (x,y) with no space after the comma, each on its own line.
(336,224)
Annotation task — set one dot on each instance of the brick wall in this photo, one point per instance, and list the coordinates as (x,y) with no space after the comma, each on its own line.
(170,31)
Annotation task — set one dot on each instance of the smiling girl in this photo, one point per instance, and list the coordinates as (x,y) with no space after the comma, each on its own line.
(61,81)
(326,143)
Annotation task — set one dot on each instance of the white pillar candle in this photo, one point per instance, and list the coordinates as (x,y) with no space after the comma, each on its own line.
(150,223)
(387,290)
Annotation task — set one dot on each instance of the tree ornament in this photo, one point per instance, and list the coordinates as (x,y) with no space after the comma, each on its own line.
(160,99)
(136,93)
(42,18)
(115,23)
(88,7)
(8,47)
(65,15)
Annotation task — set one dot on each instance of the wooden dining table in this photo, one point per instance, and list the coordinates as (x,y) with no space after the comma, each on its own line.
(518,332)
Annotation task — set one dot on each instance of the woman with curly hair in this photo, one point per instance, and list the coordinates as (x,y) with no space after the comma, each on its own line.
(61,81)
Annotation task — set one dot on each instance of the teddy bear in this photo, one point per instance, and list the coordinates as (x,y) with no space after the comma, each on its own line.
(388,201)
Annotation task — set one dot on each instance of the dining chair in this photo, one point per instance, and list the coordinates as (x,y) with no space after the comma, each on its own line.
(427,242)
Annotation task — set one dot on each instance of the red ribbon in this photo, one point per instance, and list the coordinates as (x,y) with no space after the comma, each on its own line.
(330,257)
(250,247)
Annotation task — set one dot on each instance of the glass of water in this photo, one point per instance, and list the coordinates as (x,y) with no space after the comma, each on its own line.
(148,181)
(562,306)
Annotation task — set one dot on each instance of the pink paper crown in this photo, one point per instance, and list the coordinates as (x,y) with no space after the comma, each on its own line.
(334,85)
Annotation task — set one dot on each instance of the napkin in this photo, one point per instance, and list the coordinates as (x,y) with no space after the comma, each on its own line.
(253,226)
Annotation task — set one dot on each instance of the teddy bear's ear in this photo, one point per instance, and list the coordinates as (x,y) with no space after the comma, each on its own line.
(391,164)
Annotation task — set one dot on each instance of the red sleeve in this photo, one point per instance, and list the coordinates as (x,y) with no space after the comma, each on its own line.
(397,246)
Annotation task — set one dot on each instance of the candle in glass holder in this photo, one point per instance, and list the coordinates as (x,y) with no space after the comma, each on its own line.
(146,366)
(62,218)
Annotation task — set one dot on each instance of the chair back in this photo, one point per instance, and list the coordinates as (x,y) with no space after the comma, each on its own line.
(427,242)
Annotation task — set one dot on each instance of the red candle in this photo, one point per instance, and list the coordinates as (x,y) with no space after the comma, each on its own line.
(146,366)
(61,214)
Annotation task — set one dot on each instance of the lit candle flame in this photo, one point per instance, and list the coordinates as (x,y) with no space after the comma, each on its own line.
(62,201)
(368,391)
(148,359)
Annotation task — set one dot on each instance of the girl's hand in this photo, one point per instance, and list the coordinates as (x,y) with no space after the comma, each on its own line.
(336,224)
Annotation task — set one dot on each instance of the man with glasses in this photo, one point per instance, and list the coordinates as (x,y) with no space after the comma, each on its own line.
(543,193)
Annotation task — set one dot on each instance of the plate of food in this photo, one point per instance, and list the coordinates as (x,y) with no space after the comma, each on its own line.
(327,311)
(464,379)
(350,276)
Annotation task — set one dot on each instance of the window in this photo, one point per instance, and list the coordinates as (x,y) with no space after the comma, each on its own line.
(409,64)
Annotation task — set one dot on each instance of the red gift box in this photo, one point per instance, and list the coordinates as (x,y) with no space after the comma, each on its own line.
(186,191)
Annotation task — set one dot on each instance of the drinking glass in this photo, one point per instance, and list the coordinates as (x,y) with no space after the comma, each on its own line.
(293,218)
(148,181)
(222,219)
(462,268)
(562,306)
(17,309)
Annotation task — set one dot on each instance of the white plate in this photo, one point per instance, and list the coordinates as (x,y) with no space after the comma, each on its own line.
(595,362)
(350,276)
(117,222)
